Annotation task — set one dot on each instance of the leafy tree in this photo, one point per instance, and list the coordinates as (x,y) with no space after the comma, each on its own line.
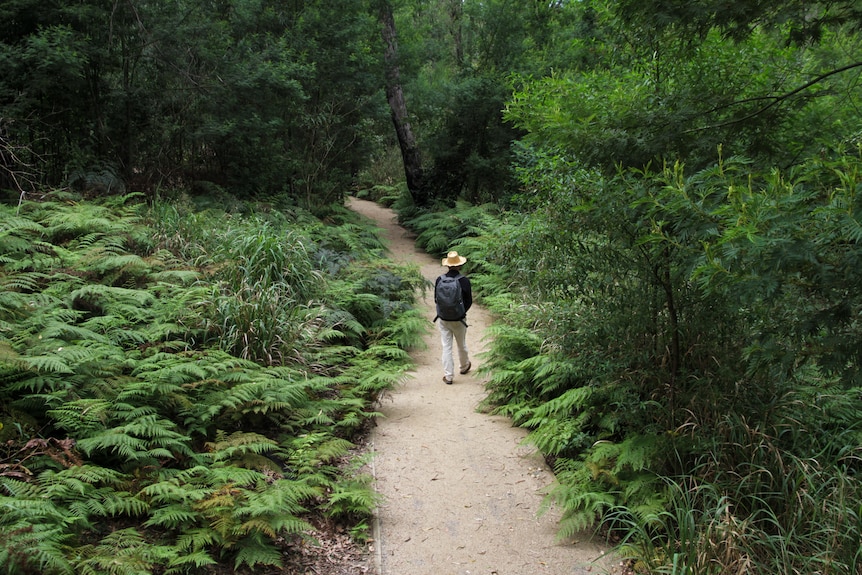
(662,94)
(461,55)
(254,96)
(687,356)
(803,21)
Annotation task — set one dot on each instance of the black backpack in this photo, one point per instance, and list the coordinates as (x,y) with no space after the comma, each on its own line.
(447,296)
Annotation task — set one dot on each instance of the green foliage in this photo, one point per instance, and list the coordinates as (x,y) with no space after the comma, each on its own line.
(456,60)
(666,329)
(802,21)
(93,102)
(155,417)
(675,284)
(662,93)
(753,502)
(438,231)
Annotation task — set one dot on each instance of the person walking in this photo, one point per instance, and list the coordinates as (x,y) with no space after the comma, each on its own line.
(453,297)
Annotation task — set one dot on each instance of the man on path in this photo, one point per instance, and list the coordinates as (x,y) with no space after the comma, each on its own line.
(453,296)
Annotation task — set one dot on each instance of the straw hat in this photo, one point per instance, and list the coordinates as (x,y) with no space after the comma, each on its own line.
(453,260)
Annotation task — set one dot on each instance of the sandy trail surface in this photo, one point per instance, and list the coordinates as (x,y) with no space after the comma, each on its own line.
(461,493)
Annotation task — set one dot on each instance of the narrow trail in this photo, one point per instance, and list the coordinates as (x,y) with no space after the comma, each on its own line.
(461,494)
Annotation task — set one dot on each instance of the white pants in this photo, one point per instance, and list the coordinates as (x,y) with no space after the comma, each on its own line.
(450,330)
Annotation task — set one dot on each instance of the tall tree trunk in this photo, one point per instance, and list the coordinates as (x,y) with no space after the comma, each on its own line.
(395,96)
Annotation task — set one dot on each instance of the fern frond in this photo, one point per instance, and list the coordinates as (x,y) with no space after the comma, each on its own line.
(569,402)
(116,442)
(387,353)
(383,379)
(265,392)
(27,282)
(174,277)
(353,497)
(31,546)
(116,503)
(122,552)
(84,219)
(172,517)
(184,562)
(253,552)
(278,504)
(46,363)
(557,435)
(581,500)
(195,540)
(183,489)
(240,443)
(104,262)
(82,416)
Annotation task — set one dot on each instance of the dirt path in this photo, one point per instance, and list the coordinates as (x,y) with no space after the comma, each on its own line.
(461,495)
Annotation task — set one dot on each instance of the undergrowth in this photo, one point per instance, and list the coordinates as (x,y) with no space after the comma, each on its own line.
(182,389)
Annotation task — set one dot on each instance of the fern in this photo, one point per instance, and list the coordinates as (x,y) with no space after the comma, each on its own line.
(110,299)
(33,530)
(181,487)
(253,551)
(142,437)
(353,496)
(580,499)
(29,545)
(264,395)
(122,552)
(212,455)
(236,512)
(238,444)
(178,516)
(192,551)
(50,363)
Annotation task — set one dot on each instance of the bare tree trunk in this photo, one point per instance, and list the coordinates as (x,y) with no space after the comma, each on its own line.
(395,95)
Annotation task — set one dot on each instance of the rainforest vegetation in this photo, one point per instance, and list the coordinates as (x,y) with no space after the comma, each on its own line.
(660,203)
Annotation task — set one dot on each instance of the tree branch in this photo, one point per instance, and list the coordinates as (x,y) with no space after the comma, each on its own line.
(775,99)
